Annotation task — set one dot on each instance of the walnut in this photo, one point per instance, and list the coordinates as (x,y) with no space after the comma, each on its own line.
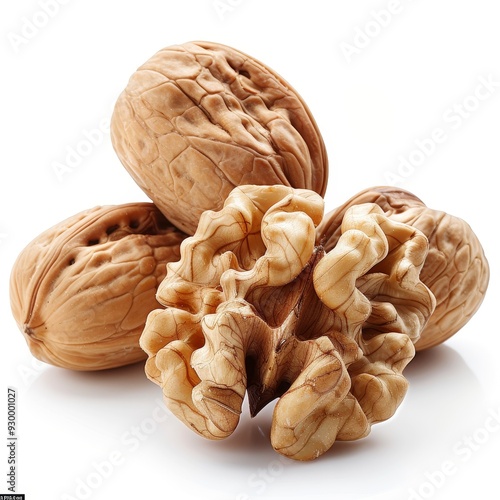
(456,269)
(254,307)
(200,118)
(81,291)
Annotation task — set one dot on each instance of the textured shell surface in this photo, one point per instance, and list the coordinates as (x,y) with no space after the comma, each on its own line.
(200,118)
(81,291)
(455,269)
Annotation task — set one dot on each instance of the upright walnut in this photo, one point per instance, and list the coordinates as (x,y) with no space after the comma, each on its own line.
(198,119)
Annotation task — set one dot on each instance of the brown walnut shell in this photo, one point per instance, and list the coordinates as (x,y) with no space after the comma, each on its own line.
(81,291)
(456,269)
(200,118)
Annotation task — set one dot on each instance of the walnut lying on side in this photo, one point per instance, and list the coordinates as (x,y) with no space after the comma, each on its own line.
(456,269)
(81,291)
(253,305)
(200,118)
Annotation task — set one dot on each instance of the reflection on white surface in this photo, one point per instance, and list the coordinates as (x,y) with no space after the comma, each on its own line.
(115,423)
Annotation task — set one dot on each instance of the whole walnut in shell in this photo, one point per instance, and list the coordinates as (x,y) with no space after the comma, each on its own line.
(254,306)
(455,270)
(81,291)
(200,118)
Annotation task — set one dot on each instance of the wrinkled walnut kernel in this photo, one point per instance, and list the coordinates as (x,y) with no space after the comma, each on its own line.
(254,306)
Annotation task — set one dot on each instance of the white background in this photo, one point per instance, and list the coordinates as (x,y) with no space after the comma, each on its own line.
(373,97)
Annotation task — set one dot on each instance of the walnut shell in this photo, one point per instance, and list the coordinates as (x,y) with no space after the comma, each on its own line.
(200,118)
(254,306)
(81,291)
(456,269)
